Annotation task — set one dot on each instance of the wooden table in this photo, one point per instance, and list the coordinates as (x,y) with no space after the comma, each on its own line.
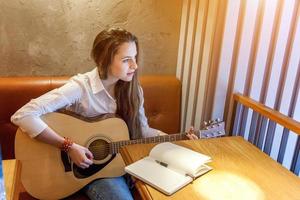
(11,173)
(240,171)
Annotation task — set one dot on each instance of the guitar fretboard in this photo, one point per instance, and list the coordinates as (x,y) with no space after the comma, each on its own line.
(115,146)
(214,130)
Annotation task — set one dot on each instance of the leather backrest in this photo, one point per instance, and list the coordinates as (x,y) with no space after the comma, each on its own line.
(162,102)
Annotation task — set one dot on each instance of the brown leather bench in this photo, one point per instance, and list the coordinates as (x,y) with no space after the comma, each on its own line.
(162,105)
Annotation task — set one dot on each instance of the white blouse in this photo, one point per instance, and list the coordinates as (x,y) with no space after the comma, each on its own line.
(83,94)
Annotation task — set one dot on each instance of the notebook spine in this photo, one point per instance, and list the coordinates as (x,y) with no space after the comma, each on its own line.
(190,175)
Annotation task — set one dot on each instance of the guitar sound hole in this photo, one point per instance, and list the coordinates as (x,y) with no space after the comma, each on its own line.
(100,149)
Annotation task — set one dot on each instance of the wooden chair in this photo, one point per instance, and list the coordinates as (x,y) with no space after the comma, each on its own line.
(262,127)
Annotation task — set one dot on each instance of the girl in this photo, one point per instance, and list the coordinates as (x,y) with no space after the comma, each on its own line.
(112,87)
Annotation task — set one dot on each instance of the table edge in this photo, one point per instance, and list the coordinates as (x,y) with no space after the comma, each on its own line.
(141,187)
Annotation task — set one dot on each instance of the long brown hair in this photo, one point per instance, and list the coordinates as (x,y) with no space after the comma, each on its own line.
(105,47)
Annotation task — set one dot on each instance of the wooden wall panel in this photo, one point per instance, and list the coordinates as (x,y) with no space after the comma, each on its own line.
(246,46)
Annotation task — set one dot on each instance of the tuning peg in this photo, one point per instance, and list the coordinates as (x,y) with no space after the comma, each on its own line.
(210,121)
(218,119)
(205,123)
(220,133)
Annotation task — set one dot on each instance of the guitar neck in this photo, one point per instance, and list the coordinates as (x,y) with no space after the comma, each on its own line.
(213,130)
(115,146)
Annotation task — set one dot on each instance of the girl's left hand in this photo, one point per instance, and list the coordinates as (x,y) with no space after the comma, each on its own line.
(191,134)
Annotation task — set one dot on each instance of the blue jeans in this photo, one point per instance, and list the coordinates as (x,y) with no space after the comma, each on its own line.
(110,188)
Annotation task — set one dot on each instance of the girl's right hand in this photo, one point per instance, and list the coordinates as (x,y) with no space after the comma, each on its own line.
(81,156)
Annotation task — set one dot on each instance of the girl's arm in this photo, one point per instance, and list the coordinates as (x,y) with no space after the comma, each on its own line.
(80,155)
(28,119)
(151,132)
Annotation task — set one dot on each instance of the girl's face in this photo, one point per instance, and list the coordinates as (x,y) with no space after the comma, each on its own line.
(124,62)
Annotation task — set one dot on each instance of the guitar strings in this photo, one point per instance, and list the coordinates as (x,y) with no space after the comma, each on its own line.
(101,150)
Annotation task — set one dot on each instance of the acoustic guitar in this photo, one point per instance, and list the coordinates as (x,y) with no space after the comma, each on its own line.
(48,173)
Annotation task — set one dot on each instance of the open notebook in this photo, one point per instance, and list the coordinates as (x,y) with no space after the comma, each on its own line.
(169,167)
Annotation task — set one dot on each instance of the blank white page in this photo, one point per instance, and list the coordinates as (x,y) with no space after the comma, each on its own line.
(162,178)
(179,157)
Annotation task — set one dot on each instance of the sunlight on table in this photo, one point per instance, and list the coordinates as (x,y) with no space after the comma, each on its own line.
(226,185)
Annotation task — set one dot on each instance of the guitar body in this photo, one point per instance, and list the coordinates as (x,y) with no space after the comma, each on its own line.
(48,174)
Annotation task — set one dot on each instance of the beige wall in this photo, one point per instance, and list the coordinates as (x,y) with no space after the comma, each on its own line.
(55,37)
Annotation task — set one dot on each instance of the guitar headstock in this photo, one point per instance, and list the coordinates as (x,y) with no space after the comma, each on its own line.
(212,129)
